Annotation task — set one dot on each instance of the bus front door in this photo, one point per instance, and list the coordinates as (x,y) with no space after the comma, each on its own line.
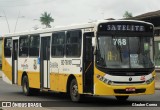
(88,63)
(44,62)
(15,62)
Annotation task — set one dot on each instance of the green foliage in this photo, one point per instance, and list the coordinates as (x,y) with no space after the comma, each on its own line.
(46,19)
(127,15)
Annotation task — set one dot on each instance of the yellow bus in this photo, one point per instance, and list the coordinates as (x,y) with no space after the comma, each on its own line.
(110,57)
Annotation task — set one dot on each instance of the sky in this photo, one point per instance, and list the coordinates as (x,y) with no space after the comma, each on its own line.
(66,12)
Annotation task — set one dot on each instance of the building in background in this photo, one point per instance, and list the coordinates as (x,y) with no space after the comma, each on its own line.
(154,18)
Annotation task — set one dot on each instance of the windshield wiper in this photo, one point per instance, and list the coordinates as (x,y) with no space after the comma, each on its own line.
(119,48)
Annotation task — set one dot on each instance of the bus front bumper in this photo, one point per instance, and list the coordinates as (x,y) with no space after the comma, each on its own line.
(101,88)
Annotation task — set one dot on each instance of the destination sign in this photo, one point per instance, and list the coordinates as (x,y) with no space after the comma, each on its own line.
(125,26)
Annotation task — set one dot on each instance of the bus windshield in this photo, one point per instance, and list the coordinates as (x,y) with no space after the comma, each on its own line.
(125,52)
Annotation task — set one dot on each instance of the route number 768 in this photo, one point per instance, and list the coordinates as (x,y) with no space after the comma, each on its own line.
(119,41)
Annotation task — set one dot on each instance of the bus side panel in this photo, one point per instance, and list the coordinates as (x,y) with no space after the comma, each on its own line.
(58,82)
(31,67)
(34,79)
(55,69)
(80,83)
(61,70)
(33,72)
(70,66)
(20,77)
(62,79)
(53,81)
(7,66)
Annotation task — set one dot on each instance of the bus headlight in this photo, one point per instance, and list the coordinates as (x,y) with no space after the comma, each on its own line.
(110,82)
(105,80)
(150,80)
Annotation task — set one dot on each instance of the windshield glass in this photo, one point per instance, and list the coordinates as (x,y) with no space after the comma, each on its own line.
(124,52)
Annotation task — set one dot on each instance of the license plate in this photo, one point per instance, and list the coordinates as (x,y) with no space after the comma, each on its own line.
(130,89)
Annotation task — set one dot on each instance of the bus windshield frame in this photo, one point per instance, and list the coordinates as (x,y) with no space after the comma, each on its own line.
(125,49)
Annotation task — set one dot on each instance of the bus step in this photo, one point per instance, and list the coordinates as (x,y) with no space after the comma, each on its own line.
(44,90)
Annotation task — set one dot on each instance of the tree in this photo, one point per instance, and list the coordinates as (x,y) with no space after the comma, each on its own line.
(46,19)
(127,15)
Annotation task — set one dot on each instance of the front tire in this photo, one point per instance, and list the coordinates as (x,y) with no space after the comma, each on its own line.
(122,98)
(75,96)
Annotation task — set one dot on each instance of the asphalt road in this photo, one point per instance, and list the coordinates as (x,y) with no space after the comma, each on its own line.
(61,102)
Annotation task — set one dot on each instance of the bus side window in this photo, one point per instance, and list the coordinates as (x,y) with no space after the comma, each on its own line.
(73,43)
(7,47)
(34,45)
(58,41)
(23,46)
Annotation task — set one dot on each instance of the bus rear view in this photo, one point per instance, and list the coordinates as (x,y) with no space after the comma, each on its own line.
(124,59)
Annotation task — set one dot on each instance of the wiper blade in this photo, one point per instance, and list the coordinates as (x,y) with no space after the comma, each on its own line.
(119,48)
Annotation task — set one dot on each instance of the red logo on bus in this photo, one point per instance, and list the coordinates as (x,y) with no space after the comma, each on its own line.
(143,78)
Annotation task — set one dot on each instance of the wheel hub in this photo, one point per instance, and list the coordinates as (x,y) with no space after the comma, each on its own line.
(75,90)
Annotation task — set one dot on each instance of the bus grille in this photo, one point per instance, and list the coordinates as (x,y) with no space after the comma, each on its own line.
(123,73)
(123,91)
(128,83)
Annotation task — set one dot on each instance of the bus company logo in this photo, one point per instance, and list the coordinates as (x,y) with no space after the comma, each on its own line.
(142,78)
(35,65)
(24,65)
(130,79)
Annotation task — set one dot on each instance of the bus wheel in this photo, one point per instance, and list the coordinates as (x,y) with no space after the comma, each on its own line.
(25,86)
(122,98)
(75,96)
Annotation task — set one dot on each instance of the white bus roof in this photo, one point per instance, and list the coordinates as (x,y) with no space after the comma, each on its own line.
(68,27)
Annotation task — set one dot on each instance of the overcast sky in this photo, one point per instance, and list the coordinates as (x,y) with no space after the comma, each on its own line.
(67,12)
